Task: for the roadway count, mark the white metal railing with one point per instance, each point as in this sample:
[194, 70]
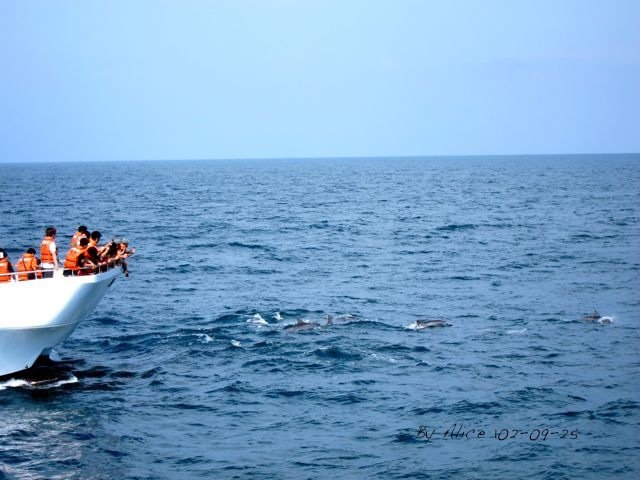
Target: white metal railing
[102, 267]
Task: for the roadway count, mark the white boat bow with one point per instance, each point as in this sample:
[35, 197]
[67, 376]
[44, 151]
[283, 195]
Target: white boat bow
[37, 315]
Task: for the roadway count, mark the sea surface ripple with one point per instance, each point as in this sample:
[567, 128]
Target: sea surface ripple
[187, 369]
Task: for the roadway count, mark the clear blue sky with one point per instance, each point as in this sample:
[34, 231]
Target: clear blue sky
[119, 80]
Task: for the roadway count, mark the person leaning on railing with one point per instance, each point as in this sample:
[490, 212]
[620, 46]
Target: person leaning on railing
[28, 263]
[5, 267]
[94, 240]
[72, 261]
[124, 253]
[109, 252]
[90, 261]
[81, 260]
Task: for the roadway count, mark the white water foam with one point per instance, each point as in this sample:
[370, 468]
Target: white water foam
[205, 338]
[13, 383]
[257, 320]
[605, 320]
[516, 332]
[384, 358]
[37, 385]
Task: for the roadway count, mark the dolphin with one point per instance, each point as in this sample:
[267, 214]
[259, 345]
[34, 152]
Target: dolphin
[426, 323]
[302, 326]
[597, 318]
[592, 317]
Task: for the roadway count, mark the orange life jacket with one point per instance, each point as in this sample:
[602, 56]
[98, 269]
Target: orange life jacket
[5, 267]
[45, 252]
[28, 263]
[71, 262]
[76, 238]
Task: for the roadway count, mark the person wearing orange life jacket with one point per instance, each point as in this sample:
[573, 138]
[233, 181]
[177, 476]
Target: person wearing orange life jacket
[28, 263]
[73, 262]
[82, 232]
[90, 261]
[48, 253]
[5, 267]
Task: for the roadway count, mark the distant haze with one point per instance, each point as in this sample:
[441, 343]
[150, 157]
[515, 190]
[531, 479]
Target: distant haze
[121, 80]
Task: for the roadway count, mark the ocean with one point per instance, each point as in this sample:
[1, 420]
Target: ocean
[187, 368]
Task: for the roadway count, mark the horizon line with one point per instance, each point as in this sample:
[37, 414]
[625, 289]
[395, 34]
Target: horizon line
[348, 157]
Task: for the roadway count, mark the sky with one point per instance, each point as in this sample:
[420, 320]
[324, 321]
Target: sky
[144, 80]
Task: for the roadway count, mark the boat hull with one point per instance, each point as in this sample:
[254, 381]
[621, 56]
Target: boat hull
[39, 314]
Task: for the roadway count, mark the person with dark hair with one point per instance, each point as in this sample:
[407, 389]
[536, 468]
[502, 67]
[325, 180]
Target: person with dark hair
[94, 240]
[107, 255]
[90, 261]
[28, 263]
[48, 253]
[5, 267]
[82, 232]
[73, 260]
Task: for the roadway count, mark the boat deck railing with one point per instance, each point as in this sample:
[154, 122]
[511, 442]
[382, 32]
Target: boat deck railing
[34, 275]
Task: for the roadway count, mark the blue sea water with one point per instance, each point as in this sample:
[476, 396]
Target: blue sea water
[186, 369]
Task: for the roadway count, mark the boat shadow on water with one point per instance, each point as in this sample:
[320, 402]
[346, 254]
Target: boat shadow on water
[46, 375]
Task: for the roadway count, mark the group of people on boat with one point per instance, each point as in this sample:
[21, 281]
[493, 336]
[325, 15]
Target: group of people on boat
[85, 257]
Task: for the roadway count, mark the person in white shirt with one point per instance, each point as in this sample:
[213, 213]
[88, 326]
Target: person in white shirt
[48, 253]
